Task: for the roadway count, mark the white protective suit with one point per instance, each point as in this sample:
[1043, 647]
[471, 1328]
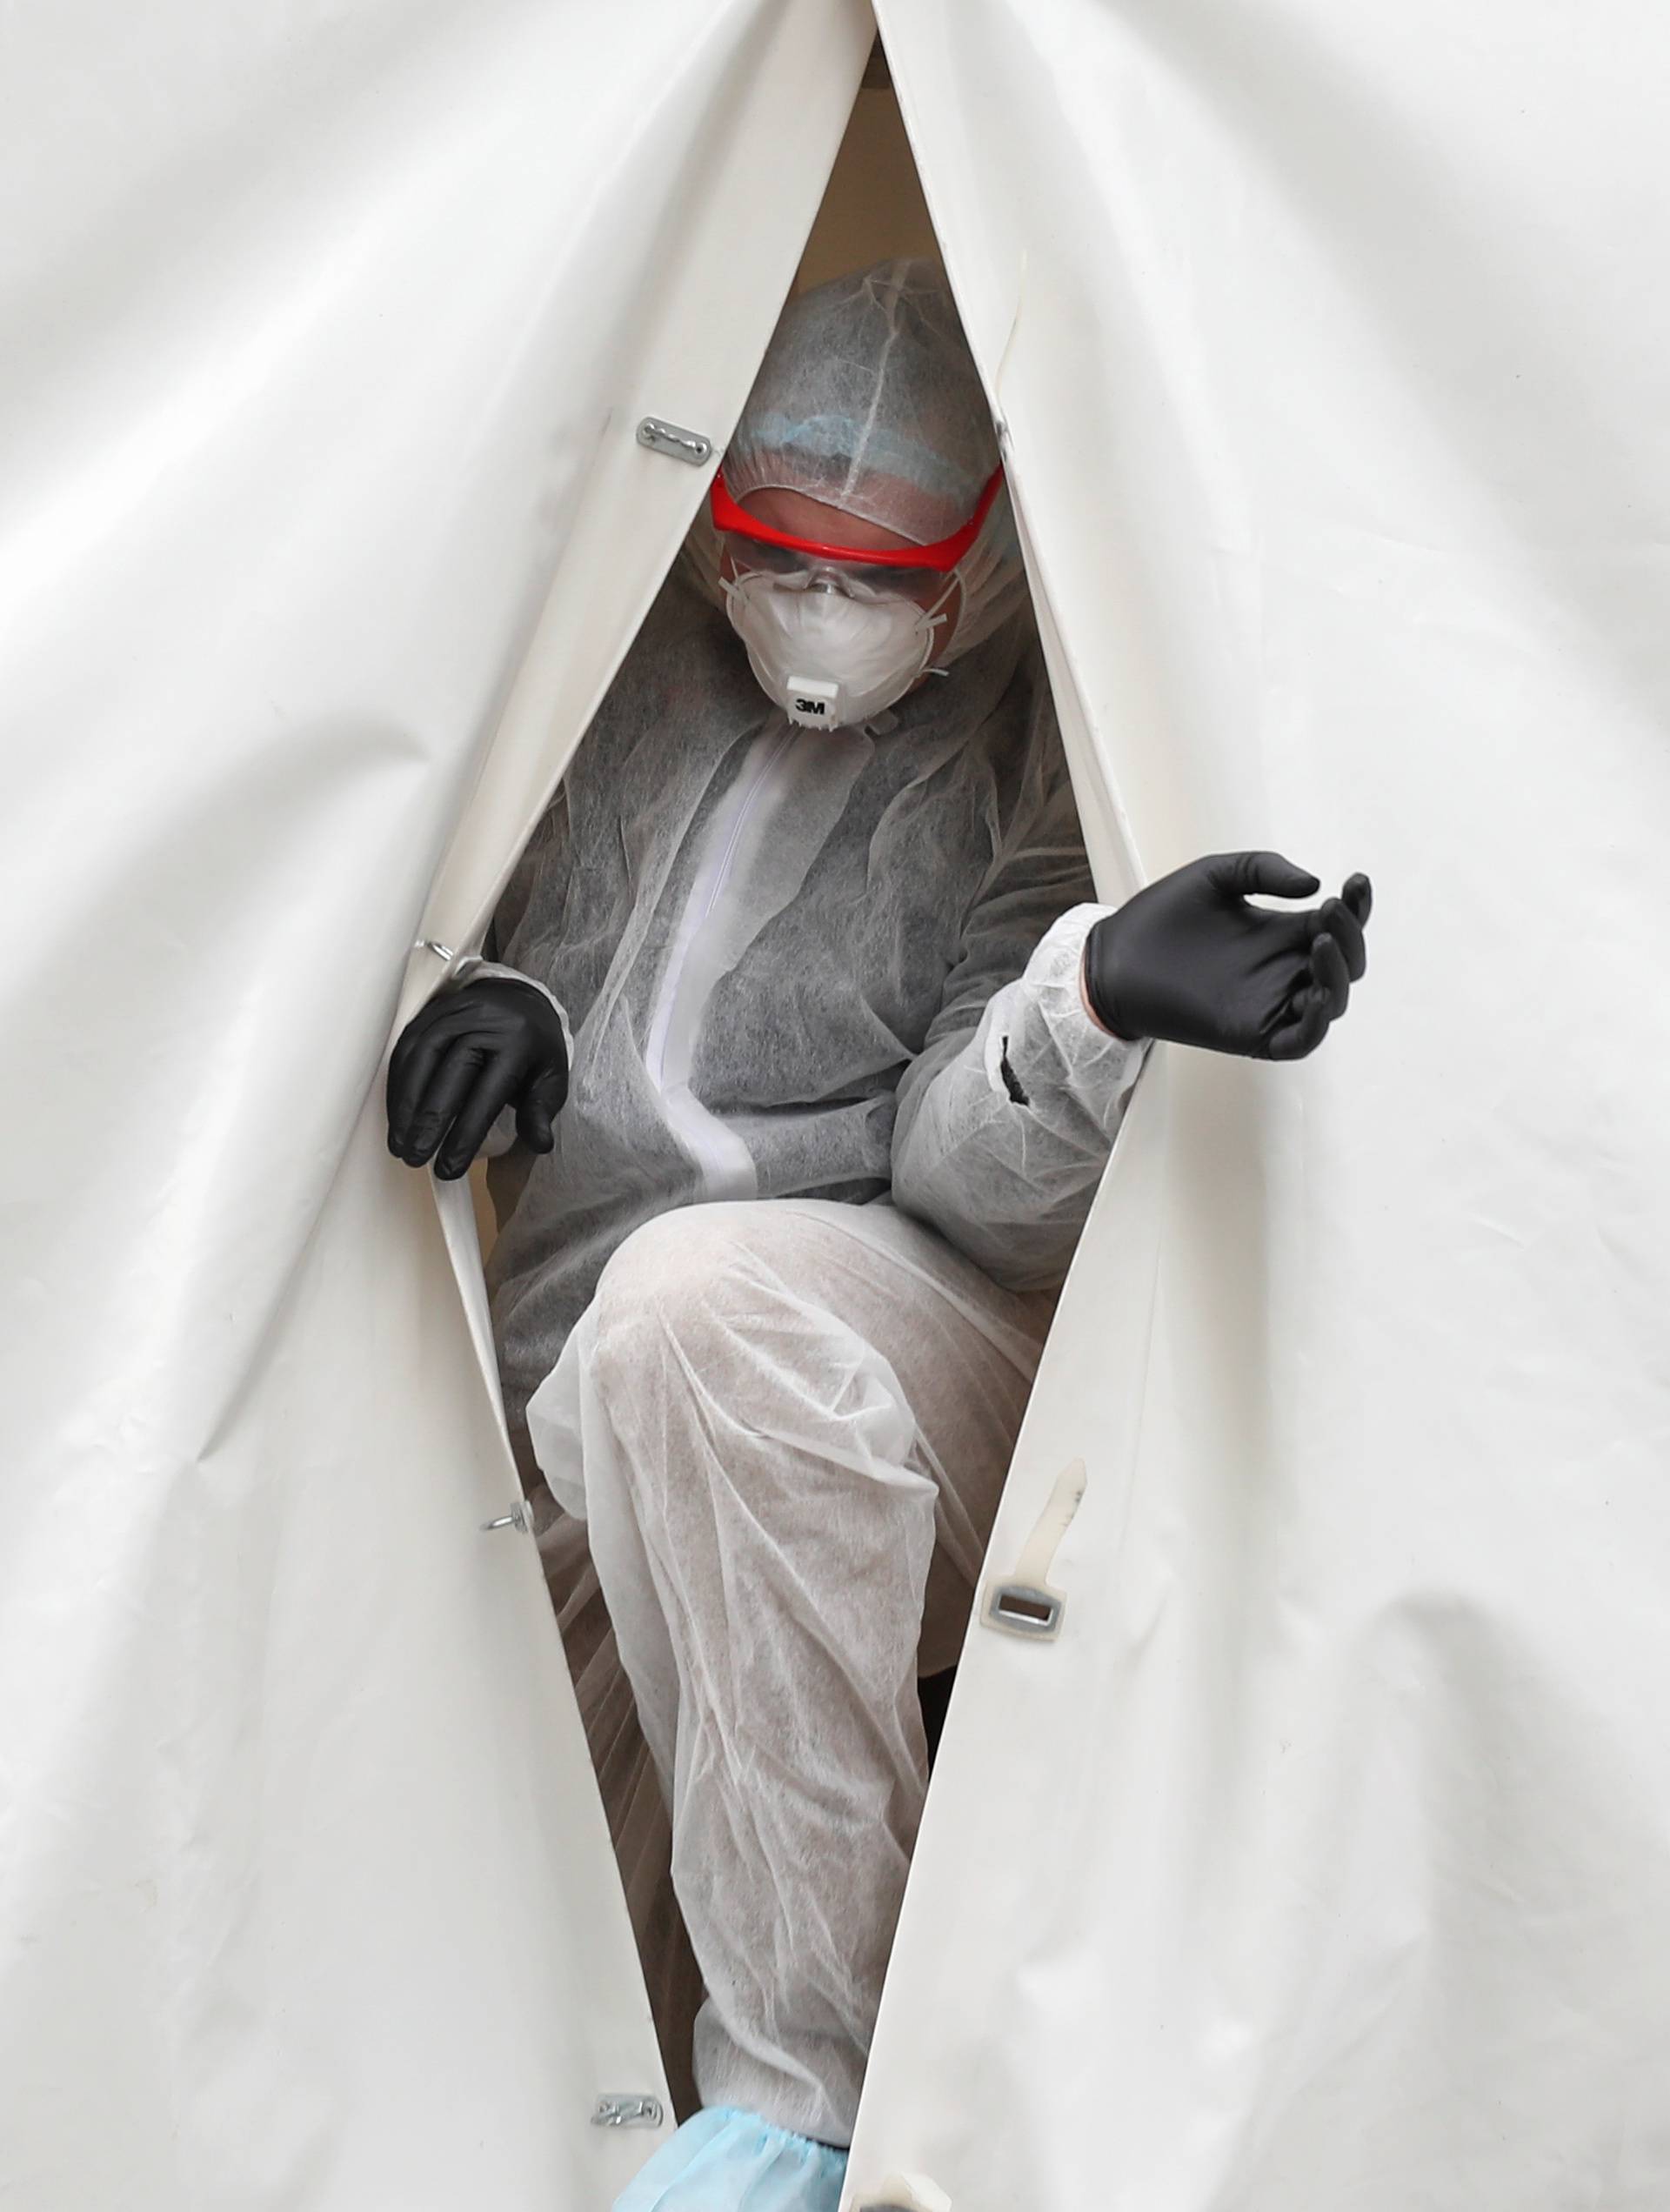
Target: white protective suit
[823, 986]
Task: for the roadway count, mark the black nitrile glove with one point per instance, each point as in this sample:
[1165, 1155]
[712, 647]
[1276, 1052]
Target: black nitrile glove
[462, 1060]
[1188, 959]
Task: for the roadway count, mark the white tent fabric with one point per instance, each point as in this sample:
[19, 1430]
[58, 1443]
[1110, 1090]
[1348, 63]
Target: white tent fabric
[328, 330]
[1322, 1859]
[1325, 1859]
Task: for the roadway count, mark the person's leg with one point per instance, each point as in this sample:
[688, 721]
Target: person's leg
[633, 1798]
[774, 1410]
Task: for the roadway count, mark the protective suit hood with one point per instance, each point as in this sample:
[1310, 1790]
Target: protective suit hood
[868, 400]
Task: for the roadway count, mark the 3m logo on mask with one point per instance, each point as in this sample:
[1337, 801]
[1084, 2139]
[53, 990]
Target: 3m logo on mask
[811, 702]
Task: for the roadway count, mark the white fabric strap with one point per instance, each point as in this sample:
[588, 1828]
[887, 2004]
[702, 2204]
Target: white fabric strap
[1038, 1553]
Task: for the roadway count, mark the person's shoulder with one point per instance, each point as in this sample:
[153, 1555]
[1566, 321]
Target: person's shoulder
[683, 690]
[684, 649]
[1020, 678]
[681, 616]
[1031, 760]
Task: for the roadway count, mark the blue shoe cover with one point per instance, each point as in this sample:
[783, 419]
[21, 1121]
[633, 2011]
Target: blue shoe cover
[726, 2161]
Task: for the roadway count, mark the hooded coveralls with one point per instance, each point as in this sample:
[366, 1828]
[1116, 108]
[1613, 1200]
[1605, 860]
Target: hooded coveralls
[771, 1309]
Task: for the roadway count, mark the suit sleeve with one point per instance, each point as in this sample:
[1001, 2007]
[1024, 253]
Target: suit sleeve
[1007, 1116]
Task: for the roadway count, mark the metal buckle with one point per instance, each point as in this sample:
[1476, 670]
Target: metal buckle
[677, 444]
[626, 2111]
[1025, 1610]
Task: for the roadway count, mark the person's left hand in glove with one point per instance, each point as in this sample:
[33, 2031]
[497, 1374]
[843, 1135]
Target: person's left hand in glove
[464, 1057]
[1188, 958]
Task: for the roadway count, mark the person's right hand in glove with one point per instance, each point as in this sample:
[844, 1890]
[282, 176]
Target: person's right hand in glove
[1190, 960]
[464, 1057]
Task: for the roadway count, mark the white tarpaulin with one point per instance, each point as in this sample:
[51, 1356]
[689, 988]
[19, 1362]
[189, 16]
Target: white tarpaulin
[1324, 1860]
[328, 329]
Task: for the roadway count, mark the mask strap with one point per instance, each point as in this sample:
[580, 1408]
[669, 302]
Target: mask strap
[936, 612]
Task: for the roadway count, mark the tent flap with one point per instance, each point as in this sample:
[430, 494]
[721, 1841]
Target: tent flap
[330, 331]
[1322, 1859]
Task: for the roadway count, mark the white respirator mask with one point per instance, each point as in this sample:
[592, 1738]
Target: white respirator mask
[831, 651]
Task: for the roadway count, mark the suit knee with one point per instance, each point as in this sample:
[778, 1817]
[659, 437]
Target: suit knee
[721, 1304]
[678, 1287]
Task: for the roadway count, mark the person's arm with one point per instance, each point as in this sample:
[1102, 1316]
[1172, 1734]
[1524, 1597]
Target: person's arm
[1008, 1115]
[1006, 1118]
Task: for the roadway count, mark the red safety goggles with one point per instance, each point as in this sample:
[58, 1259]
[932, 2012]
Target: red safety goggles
[942, 557]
